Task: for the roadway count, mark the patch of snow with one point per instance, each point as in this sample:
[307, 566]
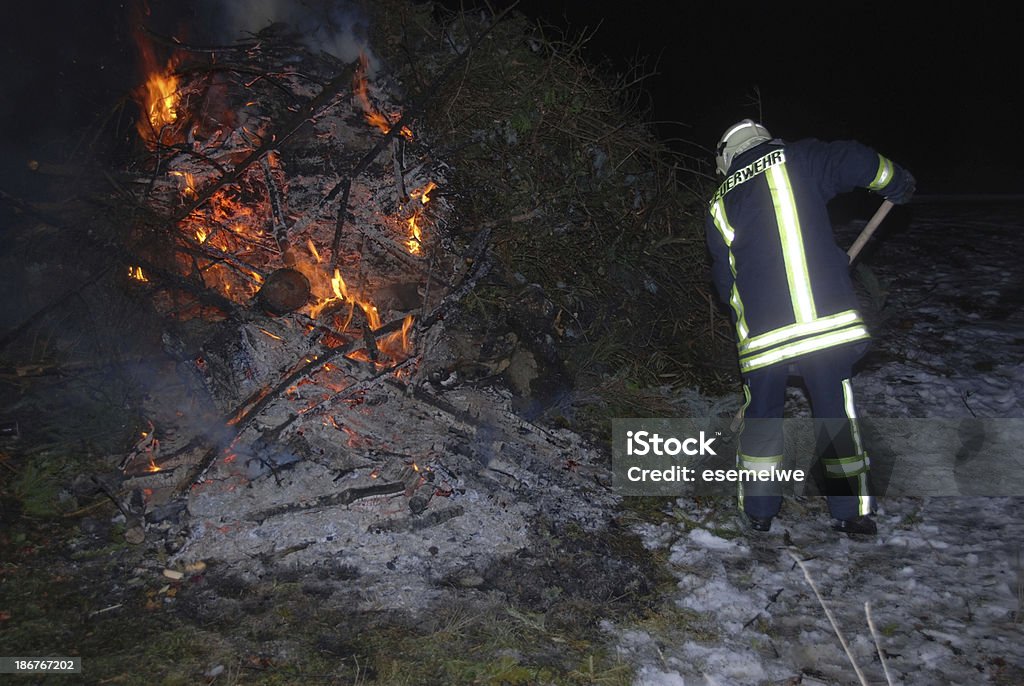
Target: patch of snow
[944, 577]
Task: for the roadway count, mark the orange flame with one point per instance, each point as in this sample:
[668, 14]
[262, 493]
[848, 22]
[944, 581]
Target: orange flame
[423, 194]
[372, 316]
[372, 115]
[312, 250]
[396, 344]
[415, 242]
[136, 273]
[158, 97]
[189, 191]
[338, 285]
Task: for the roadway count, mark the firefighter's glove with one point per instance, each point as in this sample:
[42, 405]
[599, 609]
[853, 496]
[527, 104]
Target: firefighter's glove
[900, 189]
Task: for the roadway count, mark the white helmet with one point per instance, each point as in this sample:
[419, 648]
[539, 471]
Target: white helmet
[739, 138]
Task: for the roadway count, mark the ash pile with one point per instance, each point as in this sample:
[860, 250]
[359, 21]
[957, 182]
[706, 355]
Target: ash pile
[297, 240]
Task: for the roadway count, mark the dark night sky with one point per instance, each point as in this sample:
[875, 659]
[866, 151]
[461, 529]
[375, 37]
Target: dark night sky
[933, 89]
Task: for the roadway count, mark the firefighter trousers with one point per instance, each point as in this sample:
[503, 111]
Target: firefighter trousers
[839, 450]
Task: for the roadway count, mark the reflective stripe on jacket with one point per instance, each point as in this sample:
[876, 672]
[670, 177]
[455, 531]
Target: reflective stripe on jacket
[774, 257]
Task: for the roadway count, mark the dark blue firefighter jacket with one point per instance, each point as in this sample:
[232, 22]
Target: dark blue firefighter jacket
[774, 257]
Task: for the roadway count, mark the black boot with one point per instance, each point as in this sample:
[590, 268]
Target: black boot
[863, 525]
[758, 524]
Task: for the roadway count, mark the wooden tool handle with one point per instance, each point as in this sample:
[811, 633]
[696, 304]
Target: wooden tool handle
[865, 235]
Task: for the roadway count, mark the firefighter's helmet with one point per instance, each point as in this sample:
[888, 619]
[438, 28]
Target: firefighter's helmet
[739, 138]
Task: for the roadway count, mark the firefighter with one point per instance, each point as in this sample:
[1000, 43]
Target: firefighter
[777, 264]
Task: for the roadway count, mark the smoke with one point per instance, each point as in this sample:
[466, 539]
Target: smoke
[336, 27]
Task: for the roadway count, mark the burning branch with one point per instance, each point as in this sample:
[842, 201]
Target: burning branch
[345, 185]
[301, 117]
[277, 210]
[240, 418]
[372, 115]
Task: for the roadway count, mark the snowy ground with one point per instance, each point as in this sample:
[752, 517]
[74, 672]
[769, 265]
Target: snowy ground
[944, 577]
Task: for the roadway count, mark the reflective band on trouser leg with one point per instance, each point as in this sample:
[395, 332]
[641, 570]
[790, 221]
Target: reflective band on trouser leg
[758, 489]
[757, 464]
[743, 411]
[759, 450]
[865, 501]
[845, 467]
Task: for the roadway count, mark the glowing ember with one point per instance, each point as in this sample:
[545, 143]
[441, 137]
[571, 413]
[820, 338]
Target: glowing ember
[272, 335]
[136, 273]
[373, 117]
[201, 235]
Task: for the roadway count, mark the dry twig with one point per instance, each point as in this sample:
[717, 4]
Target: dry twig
[831, 617]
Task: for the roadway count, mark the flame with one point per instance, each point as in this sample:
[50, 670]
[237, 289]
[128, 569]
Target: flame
[160, 104]
[372, 315]
[396, 344]
[415, 241]
[372, 115]
[423, 194]
[338, 286]
[340, 289]
[136, 273]
[406, 327]
[189, 191]
[312, 250]
[153, 466]
[230, 226]
[158, 97]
